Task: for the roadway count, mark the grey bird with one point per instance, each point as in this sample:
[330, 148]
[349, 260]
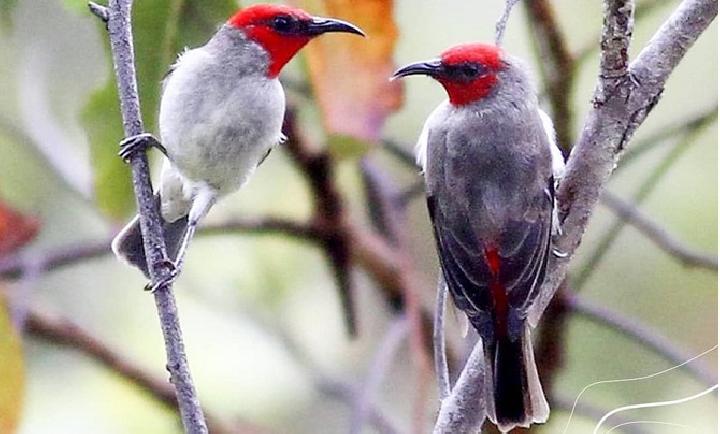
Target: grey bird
[490, 165]
[221, 113]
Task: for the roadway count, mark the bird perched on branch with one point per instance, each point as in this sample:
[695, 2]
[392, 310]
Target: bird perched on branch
[490, 165]
[221, 113]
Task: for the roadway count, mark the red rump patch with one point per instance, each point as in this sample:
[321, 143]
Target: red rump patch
[255, 22]
[499, 295]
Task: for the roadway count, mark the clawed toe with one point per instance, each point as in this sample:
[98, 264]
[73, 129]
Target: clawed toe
[140, 143]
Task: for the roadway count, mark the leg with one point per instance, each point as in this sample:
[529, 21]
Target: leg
[141, 142]
[203, 201]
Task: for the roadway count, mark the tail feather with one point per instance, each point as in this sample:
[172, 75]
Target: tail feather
[514, 395]
[128, 244]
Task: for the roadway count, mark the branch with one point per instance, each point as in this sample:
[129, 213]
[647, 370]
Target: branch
[381, 363]
[441, 363]
[641, 333]
[556, 66]
[62, 331]
[464, 410]
[330, 214]
[623, 99]
[121, 42]
[657, 234]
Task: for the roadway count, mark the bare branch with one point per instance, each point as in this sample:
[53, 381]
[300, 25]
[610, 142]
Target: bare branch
[62, 331]
[464, 410]
[656, 233]
[623, 99]
[640, 333]
[121, 43]
[330, 214]
[395, 335]
[441, 364]
[501, 23]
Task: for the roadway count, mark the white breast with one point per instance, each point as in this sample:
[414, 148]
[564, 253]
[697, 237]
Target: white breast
[218, 123]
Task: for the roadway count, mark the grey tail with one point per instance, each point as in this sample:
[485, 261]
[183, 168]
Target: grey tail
[128, 244]
[514, 396]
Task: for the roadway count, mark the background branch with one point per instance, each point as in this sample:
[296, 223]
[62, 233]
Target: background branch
[61, 331]
[640, 333]
[657, 234]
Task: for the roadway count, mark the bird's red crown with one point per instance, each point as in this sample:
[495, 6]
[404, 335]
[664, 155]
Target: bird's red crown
[482, 62]
[258, 21]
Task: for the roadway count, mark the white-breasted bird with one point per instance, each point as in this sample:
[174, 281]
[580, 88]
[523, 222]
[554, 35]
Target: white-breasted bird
[221, 113]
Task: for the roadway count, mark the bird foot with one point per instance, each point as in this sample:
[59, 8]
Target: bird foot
[140, 143]
[173, 272]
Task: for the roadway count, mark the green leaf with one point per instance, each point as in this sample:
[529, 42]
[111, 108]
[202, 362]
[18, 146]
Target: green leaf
[343, 147]
[6, 9]
[12, 373]
[161, 28]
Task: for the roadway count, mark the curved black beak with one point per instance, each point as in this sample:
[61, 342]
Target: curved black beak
[319, 25]
[433, 68]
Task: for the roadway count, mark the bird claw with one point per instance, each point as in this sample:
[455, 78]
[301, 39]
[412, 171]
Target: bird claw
[173, 272]
[559, 253]
[139, 143]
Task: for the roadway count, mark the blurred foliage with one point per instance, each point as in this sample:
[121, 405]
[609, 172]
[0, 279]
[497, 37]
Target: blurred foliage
[12, 373]
[161, 28]
[350, 74]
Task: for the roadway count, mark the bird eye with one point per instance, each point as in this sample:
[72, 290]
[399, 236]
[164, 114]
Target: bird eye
[283, 24]
[470, 70]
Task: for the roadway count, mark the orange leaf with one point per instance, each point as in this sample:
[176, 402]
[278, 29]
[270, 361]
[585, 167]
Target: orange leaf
[15, 229]
[350, 74]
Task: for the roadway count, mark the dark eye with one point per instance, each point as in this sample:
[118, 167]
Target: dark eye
[283, 24]
[470, 70]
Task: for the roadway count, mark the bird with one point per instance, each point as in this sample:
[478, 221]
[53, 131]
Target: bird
[490, 163]
[221, 113]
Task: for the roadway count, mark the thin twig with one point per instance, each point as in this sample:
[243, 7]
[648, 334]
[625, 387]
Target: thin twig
[640, 333]
[593, 413]
[62, 331]
[332, 387]
[552, 341]
[441, 364]
[121, 41]
[632, 215]
[501, 24]
[380, 364]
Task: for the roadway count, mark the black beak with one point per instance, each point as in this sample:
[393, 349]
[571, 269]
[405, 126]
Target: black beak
[433, 68]
[319, 25]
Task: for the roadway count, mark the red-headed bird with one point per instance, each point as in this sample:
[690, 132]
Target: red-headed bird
[221, 113]
[488, 155]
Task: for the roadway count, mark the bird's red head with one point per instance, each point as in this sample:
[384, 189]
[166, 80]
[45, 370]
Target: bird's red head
[284, 30]
[468, 72]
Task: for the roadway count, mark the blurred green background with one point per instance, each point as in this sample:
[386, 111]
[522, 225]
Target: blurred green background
[53, 59]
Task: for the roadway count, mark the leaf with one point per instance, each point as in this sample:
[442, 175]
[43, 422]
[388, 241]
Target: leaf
[15, 231]
[184, 22]
[346, 147]
[12, 373]
[350, 74]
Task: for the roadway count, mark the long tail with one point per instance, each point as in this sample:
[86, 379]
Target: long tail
[128, 244]
[513, 393]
